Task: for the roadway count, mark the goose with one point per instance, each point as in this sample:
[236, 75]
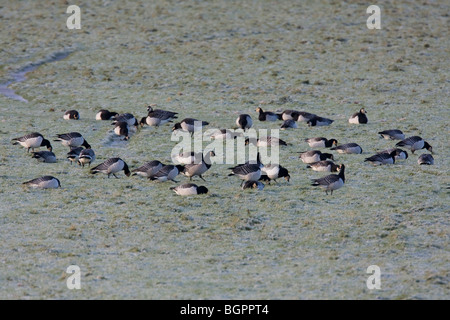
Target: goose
[319, 121]
[287, 115]
[393, 134]
[188, 157]
[324, 166]
[414, 143]
[244, 121]
[73, 139]
[268, 115]
[314, 156]
[86, 156]
[275, 171]
[359, 117]
[71, 115]
[425, 158]
[126, 117]
[289, 124]
[321, 142]
[105, 115]
[111, 167]
[149, 169]
[32, 141]
[222, 134]
[302, 116]
[197, 169]
[188, 189]
[332, 181]
[166, 173]
[266, 142]
[190, 125]
[158, 117]
[382, 158]
[45, 182]
[348, 148]
[253, 185]
[74, 153]
[399, 153]
[122, 129]
[45, 156]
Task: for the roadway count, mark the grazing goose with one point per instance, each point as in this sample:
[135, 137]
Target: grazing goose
[348, 148]
[382, 158]
[189, 189]
[392, 134]
[32, 141]
[244, 121]
[319, 121]
[314, 156]
[122, 129]
[86, 156]
[287, 115]
[332, 181]
[197, 169]
[105, 115]
[415, 143]
[302, 116]
[249, 170]
[275, 171]
[359, 117]
[324, 166]
[149, 169]
[71, 115]
[74, 153]
[45, 182]
[158, 117]
[73, 139]
[268, 115]
[289, 124]
[399, 153]
[45, 156]
[425, 158]
[111, 167]
[266, 142]
[166, 173]
[190, 125]
[253, 185]
[126, 117]
[321, 142]
[188, 157]
[222, 134]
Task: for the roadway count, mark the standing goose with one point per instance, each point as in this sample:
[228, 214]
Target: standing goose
[392, 134]
[319, 121]
[289, 124]
[348, 148]
[359, 117]
[332, 181]
[73, 140]
[166, 173]
[324, 166]
[399, 153]
[86, 156]
[190, 125]
[71, 115]
[382, 158]
[197, 169]
[425, 158]
[321, 142]
[275, 171]
[45, 182]
[189, 189]
[74, 153]
[105, 115]
[111, 167]
[32, 141]
[415, 143]
[253, 185]
[248, 171]
[268, 115]
[158, 117]
[45, 156]
[314, 156]
[149, 169]
[266, 142]
[244, 121]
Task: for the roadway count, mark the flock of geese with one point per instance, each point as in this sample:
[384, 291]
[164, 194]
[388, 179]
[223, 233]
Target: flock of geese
[252, 173]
